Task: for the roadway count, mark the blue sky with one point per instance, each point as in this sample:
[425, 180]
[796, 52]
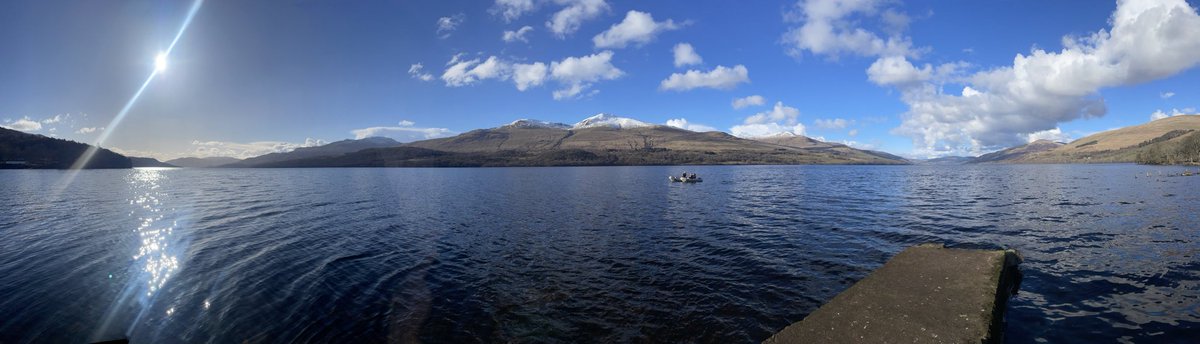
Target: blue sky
[249, 78]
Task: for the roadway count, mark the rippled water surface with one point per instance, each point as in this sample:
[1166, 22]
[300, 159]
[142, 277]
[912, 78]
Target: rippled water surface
[609, 254]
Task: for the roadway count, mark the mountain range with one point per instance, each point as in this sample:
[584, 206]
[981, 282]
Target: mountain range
[598, 140]
[611, 140]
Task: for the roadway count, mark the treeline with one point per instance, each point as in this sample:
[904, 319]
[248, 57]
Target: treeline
[21, 150]
[1185, 151]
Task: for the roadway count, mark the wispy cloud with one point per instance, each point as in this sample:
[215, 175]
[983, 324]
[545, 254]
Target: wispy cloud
[447, 25]
[405, 131]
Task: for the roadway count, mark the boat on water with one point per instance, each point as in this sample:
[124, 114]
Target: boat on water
[685, 180]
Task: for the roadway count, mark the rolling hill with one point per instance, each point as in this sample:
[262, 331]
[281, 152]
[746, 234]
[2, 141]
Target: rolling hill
[1117, 145]
[327, 150]
[23, 150]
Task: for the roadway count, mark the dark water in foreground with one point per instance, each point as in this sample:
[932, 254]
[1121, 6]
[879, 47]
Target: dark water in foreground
[573, 254]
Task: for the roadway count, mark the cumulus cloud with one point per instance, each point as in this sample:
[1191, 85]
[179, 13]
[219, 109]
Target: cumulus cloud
[518, 35]
[574, 74]
[23, 124]
[1003, 106]
[88, 130]
[779, 120]
[447, 25]
[685, 55]
[405, 132]
[567, 21]
[836, 123]
[1160, 114]
[1166, 95]
[203, 149]
[638, 28]
[682, 123]
[831, 28]
[754, 100]
[529, 75]
[578, 73]
[718, 78]
[512, 9]
[1056, 135]
[462, 72]
[417, 72]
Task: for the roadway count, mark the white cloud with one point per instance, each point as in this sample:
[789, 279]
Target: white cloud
[858, 145]
[836, 123]
[780, 119]
[830, 28]
[574, 74]
[754, 100]
[447, 25]
[417, 72]
[682, 123]
[578, 73]
[462, 72]
[718, 78]
[853, 132]
[638, 28]
[685, 55]
[405, 132]
[1000, 107]
[23, 124]
[52, 120]
[529, 75]
[512, 9]
[1159, 114]
[897, 71]
[1056, 135]
[402, 133]
[88, 130]
[568, 20]
[202, 149]
[780, 113]
[1166, 95]
[518, 35]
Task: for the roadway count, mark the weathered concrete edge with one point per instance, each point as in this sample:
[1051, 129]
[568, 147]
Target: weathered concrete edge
[1007, 282]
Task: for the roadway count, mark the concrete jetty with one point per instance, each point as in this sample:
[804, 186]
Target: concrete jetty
[925, 294]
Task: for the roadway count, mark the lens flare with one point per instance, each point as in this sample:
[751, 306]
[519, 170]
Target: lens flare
[160, 64]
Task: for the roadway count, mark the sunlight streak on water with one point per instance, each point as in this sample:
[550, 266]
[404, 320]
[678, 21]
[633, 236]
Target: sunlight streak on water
[159, 246]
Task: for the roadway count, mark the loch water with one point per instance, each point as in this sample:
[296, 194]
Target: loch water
[574, 254]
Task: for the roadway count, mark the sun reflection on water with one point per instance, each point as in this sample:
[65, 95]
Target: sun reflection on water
[154, 255]
[158, 247]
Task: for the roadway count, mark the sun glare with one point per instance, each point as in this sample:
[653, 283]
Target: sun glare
[160, 62]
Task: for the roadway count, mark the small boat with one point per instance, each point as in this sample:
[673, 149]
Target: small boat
[685, 180]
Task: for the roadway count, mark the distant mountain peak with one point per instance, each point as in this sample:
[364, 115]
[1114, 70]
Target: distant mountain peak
[608, 120]
[533, 123]
[783, 134]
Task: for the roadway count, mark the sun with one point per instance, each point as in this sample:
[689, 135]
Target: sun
[160, 62]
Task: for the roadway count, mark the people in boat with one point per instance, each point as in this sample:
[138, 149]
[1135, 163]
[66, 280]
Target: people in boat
[684, 176]
[692, 177]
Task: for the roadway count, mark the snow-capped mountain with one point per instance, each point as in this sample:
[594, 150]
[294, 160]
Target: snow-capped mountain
[607, 120]
[533, 123]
